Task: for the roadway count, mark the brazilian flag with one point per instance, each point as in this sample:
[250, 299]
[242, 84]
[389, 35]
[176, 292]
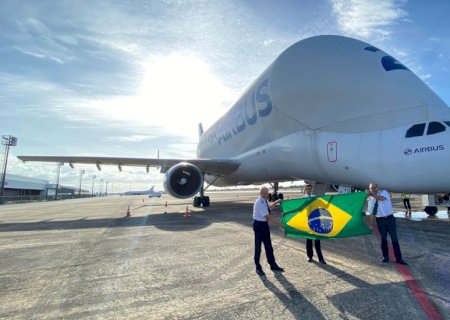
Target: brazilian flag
[323, 217]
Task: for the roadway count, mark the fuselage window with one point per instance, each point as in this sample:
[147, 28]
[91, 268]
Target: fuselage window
[416, 130]
[435, 127]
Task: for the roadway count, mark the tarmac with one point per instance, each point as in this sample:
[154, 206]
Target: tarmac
[84, 259]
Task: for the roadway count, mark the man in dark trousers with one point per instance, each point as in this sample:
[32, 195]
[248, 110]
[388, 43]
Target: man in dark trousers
[309, 242]
[261, 218]
[380, 207]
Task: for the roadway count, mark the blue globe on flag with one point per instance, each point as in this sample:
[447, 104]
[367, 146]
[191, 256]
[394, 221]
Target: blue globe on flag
[320, 221]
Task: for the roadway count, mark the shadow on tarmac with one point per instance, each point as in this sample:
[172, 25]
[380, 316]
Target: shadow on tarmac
[293, 300]
[169, 222]
[373, 294]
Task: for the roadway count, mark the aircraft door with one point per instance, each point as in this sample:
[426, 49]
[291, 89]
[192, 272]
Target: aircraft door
[332, 151]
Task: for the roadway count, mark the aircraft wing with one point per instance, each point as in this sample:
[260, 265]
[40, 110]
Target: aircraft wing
[217, 167]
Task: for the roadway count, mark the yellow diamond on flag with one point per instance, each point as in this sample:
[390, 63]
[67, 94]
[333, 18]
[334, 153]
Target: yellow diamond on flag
[320, 218]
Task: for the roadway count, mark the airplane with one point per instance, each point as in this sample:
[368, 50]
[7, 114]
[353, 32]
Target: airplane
[329, 109]
[150, 192]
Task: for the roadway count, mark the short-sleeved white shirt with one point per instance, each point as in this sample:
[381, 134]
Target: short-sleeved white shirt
[260, 209]
[384, 207]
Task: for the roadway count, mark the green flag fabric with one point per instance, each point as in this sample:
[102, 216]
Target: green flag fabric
[324, 217]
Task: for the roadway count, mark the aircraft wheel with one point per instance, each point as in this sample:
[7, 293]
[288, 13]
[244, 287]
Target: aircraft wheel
[196, 202]
[206, 201]
[431, 210]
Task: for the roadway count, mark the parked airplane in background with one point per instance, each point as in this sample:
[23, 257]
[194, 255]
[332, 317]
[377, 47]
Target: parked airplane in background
[329, 109]
[150, 193]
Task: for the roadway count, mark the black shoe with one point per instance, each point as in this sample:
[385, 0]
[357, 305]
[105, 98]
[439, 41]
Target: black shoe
[385, 260]
[322, 261]
[260, 272]
[310, 259]
[276, 268]
[403, 262]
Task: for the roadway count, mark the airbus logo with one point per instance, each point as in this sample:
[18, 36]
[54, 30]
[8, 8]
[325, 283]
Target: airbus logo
[246, 112]
[409, 151]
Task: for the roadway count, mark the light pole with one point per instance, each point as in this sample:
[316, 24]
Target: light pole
[57, 180]
[101, 187]
[8, 141]
[92, 189]
[106, 192]
[81, 178]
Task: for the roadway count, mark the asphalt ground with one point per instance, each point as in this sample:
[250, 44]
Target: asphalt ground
[83, 259]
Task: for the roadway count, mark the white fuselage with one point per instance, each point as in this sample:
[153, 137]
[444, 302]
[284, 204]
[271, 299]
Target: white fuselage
[336, 110]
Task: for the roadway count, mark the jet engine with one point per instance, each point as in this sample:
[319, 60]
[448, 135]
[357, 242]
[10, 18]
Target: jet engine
[183, 180]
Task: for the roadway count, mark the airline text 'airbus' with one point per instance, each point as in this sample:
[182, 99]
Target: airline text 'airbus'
[329, 109]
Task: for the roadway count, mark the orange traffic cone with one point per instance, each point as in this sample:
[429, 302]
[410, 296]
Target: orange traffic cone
[186, 213]
[128, 212]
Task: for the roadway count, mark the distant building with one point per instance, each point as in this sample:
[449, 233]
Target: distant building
[24, 188]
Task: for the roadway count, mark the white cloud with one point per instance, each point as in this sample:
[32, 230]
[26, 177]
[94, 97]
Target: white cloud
[368, 18]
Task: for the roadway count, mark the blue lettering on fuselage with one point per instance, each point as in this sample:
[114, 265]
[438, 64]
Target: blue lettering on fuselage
[246, 112]
[429, 149]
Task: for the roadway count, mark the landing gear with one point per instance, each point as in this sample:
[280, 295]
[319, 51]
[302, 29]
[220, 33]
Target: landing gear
[202, 200]
[431, 210]
[275, 195]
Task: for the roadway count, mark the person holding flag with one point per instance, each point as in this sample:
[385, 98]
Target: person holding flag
[261, 217]
[380, 207]
[325, 217]
[309, 242]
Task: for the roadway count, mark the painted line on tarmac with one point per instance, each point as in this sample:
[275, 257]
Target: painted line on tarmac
[419, 294]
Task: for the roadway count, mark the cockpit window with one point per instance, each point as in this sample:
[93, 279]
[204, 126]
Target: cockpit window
[447, 123]
[435, 127]
[390, 63]
[416, 130]
[372, 48]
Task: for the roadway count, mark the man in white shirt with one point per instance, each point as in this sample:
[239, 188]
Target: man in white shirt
[380, 207]
[261, 217]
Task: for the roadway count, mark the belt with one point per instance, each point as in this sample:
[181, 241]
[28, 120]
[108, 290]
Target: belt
[260, 221]
[386, 216]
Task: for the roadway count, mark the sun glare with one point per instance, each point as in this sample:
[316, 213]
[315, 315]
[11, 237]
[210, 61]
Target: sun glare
[177, 92]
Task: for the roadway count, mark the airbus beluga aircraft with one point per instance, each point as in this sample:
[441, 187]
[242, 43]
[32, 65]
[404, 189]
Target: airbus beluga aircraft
[329, 109]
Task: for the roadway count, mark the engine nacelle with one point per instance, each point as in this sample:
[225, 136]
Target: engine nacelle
[183, 180]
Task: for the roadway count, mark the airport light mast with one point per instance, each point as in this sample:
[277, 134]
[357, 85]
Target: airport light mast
[92, 188]
[8, 141]
[57, 179]
[81, 179]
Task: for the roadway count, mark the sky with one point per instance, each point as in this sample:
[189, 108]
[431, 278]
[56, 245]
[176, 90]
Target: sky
[129, 78]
